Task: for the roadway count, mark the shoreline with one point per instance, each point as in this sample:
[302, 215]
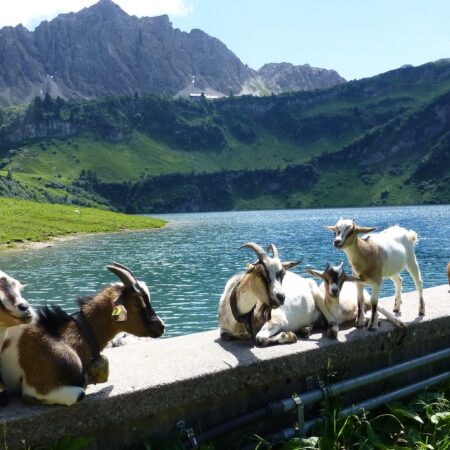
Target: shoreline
[58, 240]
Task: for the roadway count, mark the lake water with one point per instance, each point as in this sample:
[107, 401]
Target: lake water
[187, 264]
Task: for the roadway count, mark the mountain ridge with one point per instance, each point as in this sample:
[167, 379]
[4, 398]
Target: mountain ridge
[101, 50]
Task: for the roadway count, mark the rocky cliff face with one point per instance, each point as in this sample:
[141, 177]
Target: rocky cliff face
[285, 77]
[102, 51]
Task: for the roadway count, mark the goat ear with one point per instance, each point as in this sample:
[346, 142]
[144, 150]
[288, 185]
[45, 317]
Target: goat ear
[331, 228]
[352, 278]
[290, 264]
[315, 273]
[359, 229]
[119, 313]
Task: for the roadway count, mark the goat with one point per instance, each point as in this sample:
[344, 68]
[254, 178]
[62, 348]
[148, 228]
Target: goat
[377, 256]
[14, 310]
[50, 361]
[448, 274]
[337, 299]
[267, 303]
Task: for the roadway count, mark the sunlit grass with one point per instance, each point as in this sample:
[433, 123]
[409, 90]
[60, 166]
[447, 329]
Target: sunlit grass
[22, 220]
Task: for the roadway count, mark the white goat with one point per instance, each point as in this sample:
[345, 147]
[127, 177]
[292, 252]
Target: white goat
[14, 310]
[267, 303]
[51, 361]
[378, 256]
[337, 298]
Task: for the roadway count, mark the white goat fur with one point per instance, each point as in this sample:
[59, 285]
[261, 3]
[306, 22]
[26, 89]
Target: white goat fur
[380, 255]
[341, 305]
[297, 312]
[15, 311]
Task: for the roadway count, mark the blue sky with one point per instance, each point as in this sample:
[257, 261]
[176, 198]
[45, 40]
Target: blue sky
[358, 38]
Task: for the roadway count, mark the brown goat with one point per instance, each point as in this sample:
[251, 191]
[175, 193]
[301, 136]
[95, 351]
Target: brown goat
[51, 361]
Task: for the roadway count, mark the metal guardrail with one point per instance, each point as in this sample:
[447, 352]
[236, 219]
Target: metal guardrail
[298, 402]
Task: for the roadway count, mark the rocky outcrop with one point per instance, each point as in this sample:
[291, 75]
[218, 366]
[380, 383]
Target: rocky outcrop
[285, 77]
[101, 51]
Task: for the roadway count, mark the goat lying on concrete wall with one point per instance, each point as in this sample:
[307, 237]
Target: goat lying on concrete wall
[377, 256]
[14, 310]
[49, 361]
[337, 298]
[267, 302]
[448, 273]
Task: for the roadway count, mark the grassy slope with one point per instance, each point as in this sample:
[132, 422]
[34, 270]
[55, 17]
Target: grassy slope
[36, 165]
[22, 220]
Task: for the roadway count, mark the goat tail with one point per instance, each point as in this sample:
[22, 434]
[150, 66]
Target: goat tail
[389, 316]
[412, 236]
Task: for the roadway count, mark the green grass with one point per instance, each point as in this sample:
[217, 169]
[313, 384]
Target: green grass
[142, 156]
[22, 220]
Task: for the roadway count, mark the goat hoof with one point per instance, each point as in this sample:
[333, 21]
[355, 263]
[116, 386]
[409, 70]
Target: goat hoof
[288, 338]
[262, 342]
[4, 398]
[332, 334]
[305, 332]
[396, 310]
[421, 313]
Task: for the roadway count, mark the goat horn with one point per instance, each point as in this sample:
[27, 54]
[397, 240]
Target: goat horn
[125, 275]
[257, 249]
[274, 250]
[122, 266]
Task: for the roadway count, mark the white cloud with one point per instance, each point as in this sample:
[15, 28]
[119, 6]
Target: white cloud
[31, 12]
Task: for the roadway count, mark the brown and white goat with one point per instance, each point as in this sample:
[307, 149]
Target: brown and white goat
[337, 298]
[14, 310]
[377, 256]
[49, 361]
[267, 303]
[448, 273]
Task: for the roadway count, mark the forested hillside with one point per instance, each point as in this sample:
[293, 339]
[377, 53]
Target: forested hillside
[381, 140]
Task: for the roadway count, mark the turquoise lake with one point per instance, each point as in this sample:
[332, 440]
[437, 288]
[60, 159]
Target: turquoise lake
[187, 264]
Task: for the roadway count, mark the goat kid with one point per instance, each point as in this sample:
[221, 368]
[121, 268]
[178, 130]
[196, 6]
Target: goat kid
[14, 310]
[267, 303]
[337, 298]
[375, 257]
[50, 361]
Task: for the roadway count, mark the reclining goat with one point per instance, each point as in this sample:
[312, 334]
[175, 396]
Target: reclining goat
[50, 361]
[267, 303]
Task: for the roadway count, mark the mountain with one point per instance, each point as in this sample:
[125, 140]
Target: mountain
[101, 50]
[285, 77]
[381, 140]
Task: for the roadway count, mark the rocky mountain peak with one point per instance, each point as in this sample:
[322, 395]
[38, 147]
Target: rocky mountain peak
[101, 50]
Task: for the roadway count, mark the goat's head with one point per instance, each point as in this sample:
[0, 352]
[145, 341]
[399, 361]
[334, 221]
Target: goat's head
[346, 231]
[271, 270]
[133, 310]
[14, 309]
[333, 277]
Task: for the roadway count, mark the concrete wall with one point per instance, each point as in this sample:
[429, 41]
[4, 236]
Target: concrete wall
[205, 381]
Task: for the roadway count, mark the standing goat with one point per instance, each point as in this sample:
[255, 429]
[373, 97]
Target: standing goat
[50, 361]
[14, 310]
[377, 256]
[267, 302]
[337, 298]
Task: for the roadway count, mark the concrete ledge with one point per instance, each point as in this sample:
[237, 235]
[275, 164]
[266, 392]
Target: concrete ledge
[206, 381]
